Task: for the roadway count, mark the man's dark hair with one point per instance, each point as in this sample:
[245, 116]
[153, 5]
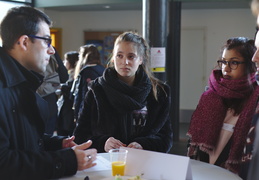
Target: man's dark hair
[20, 21]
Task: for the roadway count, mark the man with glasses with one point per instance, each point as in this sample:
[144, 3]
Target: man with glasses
[25, 151]
[251, 152]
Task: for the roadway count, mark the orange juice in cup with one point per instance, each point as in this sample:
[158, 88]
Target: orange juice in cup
[118, 168]
[118, 161]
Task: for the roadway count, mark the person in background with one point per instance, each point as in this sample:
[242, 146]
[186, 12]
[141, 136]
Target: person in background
[127, 106]
[221, 121]
[88, 68]
[55, 74]
[250, 158]
[65, 121]
[70, 60]
[25, 151]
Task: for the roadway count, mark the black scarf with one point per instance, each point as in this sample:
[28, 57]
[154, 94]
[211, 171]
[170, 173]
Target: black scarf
[123, 97]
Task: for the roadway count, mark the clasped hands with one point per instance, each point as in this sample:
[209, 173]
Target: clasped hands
[113, 143]
[84, 156]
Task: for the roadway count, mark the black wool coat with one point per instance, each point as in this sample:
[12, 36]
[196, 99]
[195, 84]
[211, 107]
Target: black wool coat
[99, 120]
[25, 152]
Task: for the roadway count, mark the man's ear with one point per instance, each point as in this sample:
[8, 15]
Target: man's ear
[23, 42]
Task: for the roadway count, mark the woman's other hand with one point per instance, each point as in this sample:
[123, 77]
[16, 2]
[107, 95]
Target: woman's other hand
[113, 143]
[135, 145]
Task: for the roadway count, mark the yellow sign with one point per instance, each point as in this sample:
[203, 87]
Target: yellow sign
[159, 69]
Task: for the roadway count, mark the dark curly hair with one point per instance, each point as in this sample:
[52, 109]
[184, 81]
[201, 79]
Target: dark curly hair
[245, 47]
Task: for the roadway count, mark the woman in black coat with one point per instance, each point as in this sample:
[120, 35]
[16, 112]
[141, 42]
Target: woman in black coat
[88, 68]
[127, 106]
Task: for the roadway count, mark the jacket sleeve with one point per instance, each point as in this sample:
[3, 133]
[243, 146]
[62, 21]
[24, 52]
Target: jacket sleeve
[19, 160]
[34, 164]
[158, 135]
[52, 143]
[62, 71]
[85, 129]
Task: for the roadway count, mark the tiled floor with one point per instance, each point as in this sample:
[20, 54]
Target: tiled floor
[180, 147]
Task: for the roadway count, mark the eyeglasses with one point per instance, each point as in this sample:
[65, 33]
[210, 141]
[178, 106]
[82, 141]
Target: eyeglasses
[231, 64]
[47, 40]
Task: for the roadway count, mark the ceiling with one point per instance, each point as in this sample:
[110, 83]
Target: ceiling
[114, 5]
[98, 7]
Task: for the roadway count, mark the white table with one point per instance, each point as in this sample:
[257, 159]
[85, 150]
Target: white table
[200, 171]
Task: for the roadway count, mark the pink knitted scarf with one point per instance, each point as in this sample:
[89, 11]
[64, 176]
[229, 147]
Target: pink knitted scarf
[207, 119]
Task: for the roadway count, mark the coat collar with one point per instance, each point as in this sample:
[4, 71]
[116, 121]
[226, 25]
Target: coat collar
[14, 73]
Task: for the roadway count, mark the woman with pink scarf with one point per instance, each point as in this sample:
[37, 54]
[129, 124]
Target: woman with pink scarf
[221, 121]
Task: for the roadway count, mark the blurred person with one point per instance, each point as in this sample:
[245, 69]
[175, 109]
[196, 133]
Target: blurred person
[88, 68]
[221, 121]
[65, 122]
[250, 157]
[70, 60]
[55, 74]
[127, 106]
[25, 151]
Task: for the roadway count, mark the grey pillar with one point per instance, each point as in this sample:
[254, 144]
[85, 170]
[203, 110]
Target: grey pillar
[155, 26]
[173, 62]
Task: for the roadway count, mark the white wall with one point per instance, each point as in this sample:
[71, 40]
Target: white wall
[221, 25]
[74, 24]
[218, 26]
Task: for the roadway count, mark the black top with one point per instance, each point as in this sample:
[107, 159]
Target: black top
[128, 113]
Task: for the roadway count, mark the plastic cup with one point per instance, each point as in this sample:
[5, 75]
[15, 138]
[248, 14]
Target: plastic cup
[118, 161]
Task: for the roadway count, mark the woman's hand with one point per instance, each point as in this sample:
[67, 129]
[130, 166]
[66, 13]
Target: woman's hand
[113, 143]
[135, 145]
